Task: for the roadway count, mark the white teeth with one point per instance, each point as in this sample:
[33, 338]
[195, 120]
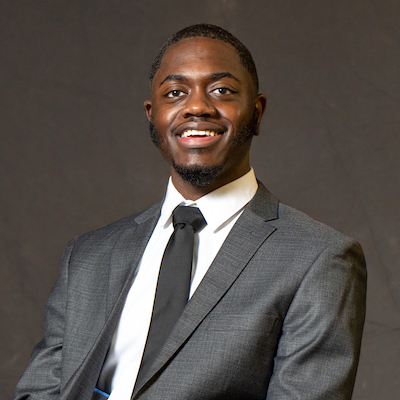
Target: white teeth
[192, 132]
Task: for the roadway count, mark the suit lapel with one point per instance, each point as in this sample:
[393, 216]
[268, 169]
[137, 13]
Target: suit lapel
[126, 255]
[247, 235]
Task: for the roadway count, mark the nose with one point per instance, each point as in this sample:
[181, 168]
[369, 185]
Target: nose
[199, 104]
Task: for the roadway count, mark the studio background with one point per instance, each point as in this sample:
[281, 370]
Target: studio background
[75, 152]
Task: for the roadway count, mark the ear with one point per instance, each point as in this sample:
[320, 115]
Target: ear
[148, 109]
[261, 104]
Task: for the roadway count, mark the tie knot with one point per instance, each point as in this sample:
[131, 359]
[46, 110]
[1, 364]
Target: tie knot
[188, 215]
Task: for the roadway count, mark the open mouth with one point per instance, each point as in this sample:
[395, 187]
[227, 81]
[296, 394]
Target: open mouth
[192, 132]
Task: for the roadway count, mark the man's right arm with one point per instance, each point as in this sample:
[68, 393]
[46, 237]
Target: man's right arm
[42, 379]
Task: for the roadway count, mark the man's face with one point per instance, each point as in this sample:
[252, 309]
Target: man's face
[203, 112]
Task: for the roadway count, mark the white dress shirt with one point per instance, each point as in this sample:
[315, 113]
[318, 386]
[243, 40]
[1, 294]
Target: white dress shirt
[221, 209]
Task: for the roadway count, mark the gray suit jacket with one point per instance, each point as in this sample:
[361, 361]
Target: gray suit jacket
[279, 314]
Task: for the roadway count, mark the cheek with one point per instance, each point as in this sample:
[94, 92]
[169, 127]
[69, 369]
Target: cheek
[163, 119]
[240, 118]
[237, 114]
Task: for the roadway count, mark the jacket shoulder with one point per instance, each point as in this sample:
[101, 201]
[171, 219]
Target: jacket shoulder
[301, 226]
[114, 229]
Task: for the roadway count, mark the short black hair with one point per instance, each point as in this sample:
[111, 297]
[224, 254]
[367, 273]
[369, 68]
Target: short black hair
[209, 31]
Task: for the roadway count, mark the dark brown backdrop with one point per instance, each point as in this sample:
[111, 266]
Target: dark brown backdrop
[75, 152]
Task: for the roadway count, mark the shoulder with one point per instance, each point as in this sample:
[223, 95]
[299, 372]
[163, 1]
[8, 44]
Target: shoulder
[304, 238]
[298, 224]
[298, 235]
[111, 232]
[293, 224]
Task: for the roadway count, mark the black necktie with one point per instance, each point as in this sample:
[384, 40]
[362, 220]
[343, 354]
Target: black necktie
[173, 283]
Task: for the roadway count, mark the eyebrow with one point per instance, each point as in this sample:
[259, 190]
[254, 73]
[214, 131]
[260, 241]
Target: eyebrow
[215, 76]
[180, 78]
[219, 75]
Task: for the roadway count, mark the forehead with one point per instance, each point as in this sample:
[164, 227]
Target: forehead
[201, 56]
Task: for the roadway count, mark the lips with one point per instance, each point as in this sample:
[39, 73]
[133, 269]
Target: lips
[199, 139]
[197, 134]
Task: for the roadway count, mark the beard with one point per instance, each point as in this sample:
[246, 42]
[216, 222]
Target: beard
[201, 176]
[198, 176]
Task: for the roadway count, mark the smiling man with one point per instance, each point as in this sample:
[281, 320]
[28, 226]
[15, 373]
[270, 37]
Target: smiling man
[203, 114]
[217, 292]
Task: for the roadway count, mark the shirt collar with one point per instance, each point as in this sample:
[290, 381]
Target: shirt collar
[217, 207]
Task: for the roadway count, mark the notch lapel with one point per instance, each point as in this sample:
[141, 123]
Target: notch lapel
[245, 238]
[125, 258]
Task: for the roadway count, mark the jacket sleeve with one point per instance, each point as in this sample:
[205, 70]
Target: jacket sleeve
[319, 348]
[41, 379]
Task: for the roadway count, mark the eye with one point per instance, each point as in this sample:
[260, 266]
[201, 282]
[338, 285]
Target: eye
[223, 90]
[175, 93]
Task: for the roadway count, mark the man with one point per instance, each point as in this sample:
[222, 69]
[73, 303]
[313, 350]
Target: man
[277, 300]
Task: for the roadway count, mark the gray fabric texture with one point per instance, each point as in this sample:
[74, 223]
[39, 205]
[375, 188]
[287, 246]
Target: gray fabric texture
[279, 314]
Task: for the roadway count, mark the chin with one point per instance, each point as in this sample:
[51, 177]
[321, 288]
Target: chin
[197, 175]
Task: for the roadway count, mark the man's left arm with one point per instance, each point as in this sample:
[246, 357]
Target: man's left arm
[319, 348]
